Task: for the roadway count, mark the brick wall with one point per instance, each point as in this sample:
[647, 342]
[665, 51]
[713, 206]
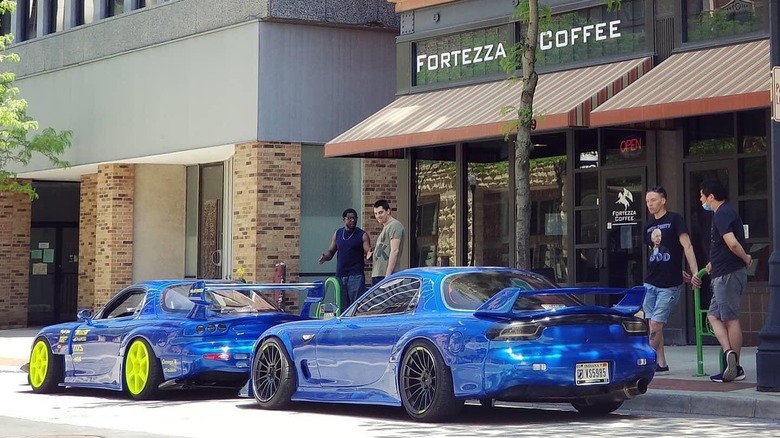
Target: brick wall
[380, 179]
[87, 230]
[266, 209]
[113, 230]
[15, 214]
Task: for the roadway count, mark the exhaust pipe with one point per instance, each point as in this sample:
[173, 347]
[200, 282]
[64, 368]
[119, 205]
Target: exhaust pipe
[637, 388]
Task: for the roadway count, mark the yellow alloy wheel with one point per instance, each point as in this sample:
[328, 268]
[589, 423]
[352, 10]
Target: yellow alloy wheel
[137, 367]
[39, 364]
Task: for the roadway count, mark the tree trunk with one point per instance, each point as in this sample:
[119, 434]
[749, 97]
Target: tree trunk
[523, 143]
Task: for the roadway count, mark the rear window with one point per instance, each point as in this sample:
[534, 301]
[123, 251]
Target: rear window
[469, 290]
[176, 299]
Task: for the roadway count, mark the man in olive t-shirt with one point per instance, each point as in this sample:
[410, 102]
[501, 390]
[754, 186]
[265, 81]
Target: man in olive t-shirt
[389, 245]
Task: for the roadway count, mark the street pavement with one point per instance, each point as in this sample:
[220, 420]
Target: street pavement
[681, 391]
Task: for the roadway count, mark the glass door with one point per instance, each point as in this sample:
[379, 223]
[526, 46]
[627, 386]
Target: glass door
[622, 212]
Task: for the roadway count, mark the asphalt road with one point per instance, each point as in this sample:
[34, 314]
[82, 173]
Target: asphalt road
[88, 413]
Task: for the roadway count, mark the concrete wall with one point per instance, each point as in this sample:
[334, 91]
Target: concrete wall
[158, 217]
[317, 81]
[193, 93]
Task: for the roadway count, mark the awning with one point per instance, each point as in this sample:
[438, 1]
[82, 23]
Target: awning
[563, 99]
[723, 79]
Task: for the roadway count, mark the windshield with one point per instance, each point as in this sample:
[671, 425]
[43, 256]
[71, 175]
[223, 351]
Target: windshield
[469, 290]
[176, 299]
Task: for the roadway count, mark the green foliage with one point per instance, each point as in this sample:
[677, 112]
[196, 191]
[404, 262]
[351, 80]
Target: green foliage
[17, 146]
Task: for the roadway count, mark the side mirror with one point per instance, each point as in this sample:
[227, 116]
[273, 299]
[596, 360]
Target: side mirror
[329, 310]
[85, 315]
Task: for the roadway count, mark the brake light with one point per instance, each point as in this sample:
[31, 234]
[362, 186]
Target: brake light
[518, 331]
[217, 356]
[635, 326]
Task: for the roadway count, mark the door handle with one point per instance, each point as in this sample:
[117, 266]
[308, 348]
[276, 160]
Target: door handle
[600, 258]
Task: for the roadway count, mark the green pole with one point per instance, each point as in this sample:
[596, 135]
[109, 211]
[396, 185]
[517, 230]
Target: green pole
[699, 324]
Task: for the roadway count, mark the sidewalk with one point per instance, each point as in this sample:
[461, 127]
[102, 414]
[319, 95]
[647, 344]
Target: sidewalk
[680, 391]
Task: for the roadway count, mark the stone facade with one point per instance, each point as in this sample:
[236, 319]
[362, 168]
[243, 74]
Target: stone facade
[15, 214]
[113, 230]
[87, 239]
[266, 209]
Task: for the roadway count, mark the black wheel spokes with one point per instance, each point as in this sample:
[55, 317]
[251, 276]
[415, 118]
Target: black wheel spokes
[268, 373]
[419, 377]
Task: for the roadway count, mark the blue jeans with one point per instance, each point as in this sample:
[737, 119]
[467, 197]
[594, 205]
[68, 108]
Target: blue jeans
[659, 302]
[352, 287]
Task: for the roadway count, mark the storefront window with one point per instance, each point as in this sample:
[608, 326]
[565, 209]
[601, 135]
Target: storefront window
[593, 33]
[435, 207]
[710, 135]
[489, 203]
[716, 19]
[622, 147]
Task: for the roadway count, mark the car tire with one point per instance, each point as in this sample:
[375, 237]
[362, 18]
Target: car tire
[46, 370]
[425, 382]
[599, 408]
[273, 376]
[142, 372]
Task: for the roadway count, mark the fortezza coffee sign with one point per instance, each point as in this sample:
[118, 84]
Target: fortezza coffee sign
[470, 55]
[579, 35]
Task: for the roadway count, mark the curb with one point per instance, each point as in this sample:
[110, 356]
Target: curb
[718, 404]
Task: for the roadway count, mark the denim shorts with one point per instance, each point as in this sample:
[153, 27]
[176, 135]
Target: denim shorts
[353, 287]
[659, 302]
[726, 295]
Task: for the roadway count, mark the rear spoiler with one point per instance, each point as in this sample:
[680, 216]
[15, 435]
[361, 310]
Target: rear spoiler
[500, 305]
[198, 294]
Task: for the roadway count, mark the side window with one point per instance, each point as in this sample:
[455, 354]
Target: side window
[396, 296]
[127, 303]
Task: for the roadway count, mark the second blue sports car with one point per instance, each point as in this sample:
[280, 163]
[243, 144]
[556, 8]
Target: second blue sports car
[428, 339]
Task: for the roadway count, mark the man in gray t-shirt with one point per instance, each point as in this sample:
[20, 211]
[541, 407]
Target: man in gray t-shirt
[389, 245]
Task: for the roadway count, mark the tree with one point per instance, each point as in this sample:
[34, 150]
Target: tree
[524, 51]
[17, 145]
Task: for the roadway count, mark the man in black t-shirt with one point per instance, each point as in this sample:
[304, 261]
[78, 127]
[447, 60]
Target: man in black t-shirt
[728, 271]
[667, 236]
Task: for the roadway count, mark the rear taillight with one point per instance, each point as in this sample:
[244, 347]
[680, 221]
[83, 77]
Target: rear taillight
[635, 327]
[516, 331]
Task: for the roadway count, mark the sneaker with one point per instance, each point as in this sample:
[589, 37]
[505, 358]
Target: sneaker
[660, 369]
[717, 378]
[740, 374]
[731, 366]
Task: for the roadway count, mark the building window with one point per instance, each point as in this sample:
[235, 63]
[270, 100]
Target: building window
[28, 28]
[435, 233]
[718, 19]
[114, 7]
[84, 12]
[328, 187]
[592, 33]
[5, 23]
[55, 17]
[737, 146]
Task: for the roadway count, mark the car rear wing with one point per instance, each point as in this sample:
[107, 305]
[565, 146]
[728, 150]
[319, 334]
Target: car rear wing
[198, 294]
[501, 304]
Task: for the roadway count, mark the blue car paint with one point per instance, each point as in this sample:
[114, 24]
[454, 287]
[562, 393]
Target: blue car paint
[360, 359]
[94, 350]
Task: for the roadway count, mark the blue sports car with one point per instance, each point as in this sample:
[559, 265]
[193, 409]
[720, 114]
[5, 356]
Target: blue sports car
[163, 335]
[428, 339]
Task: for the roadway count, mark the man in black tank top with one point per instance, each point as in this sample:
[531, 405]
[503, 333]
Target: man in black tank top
[352, 245]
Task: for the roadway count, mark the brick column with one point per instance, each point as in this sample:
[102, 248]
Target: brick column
[114, 230]
[15, 215]
[87, 230]
[380, 180]
[266, 209]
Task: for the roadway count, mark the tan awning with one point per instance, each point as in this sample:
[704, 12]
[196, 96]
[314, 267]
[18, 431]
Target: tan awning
[710, 81]
[562, 99]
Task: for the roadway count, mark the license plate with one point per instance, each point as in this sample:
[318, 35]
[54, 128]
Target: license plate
[593, 373]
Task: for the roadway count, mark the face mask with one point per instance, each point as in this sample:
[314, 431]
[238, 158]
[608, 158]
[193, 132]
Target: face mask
[706, 207]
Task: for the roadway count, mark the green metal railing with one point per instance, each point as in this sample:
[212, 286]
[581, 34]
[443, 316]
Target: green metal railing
[331, 294]
[703, 328]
